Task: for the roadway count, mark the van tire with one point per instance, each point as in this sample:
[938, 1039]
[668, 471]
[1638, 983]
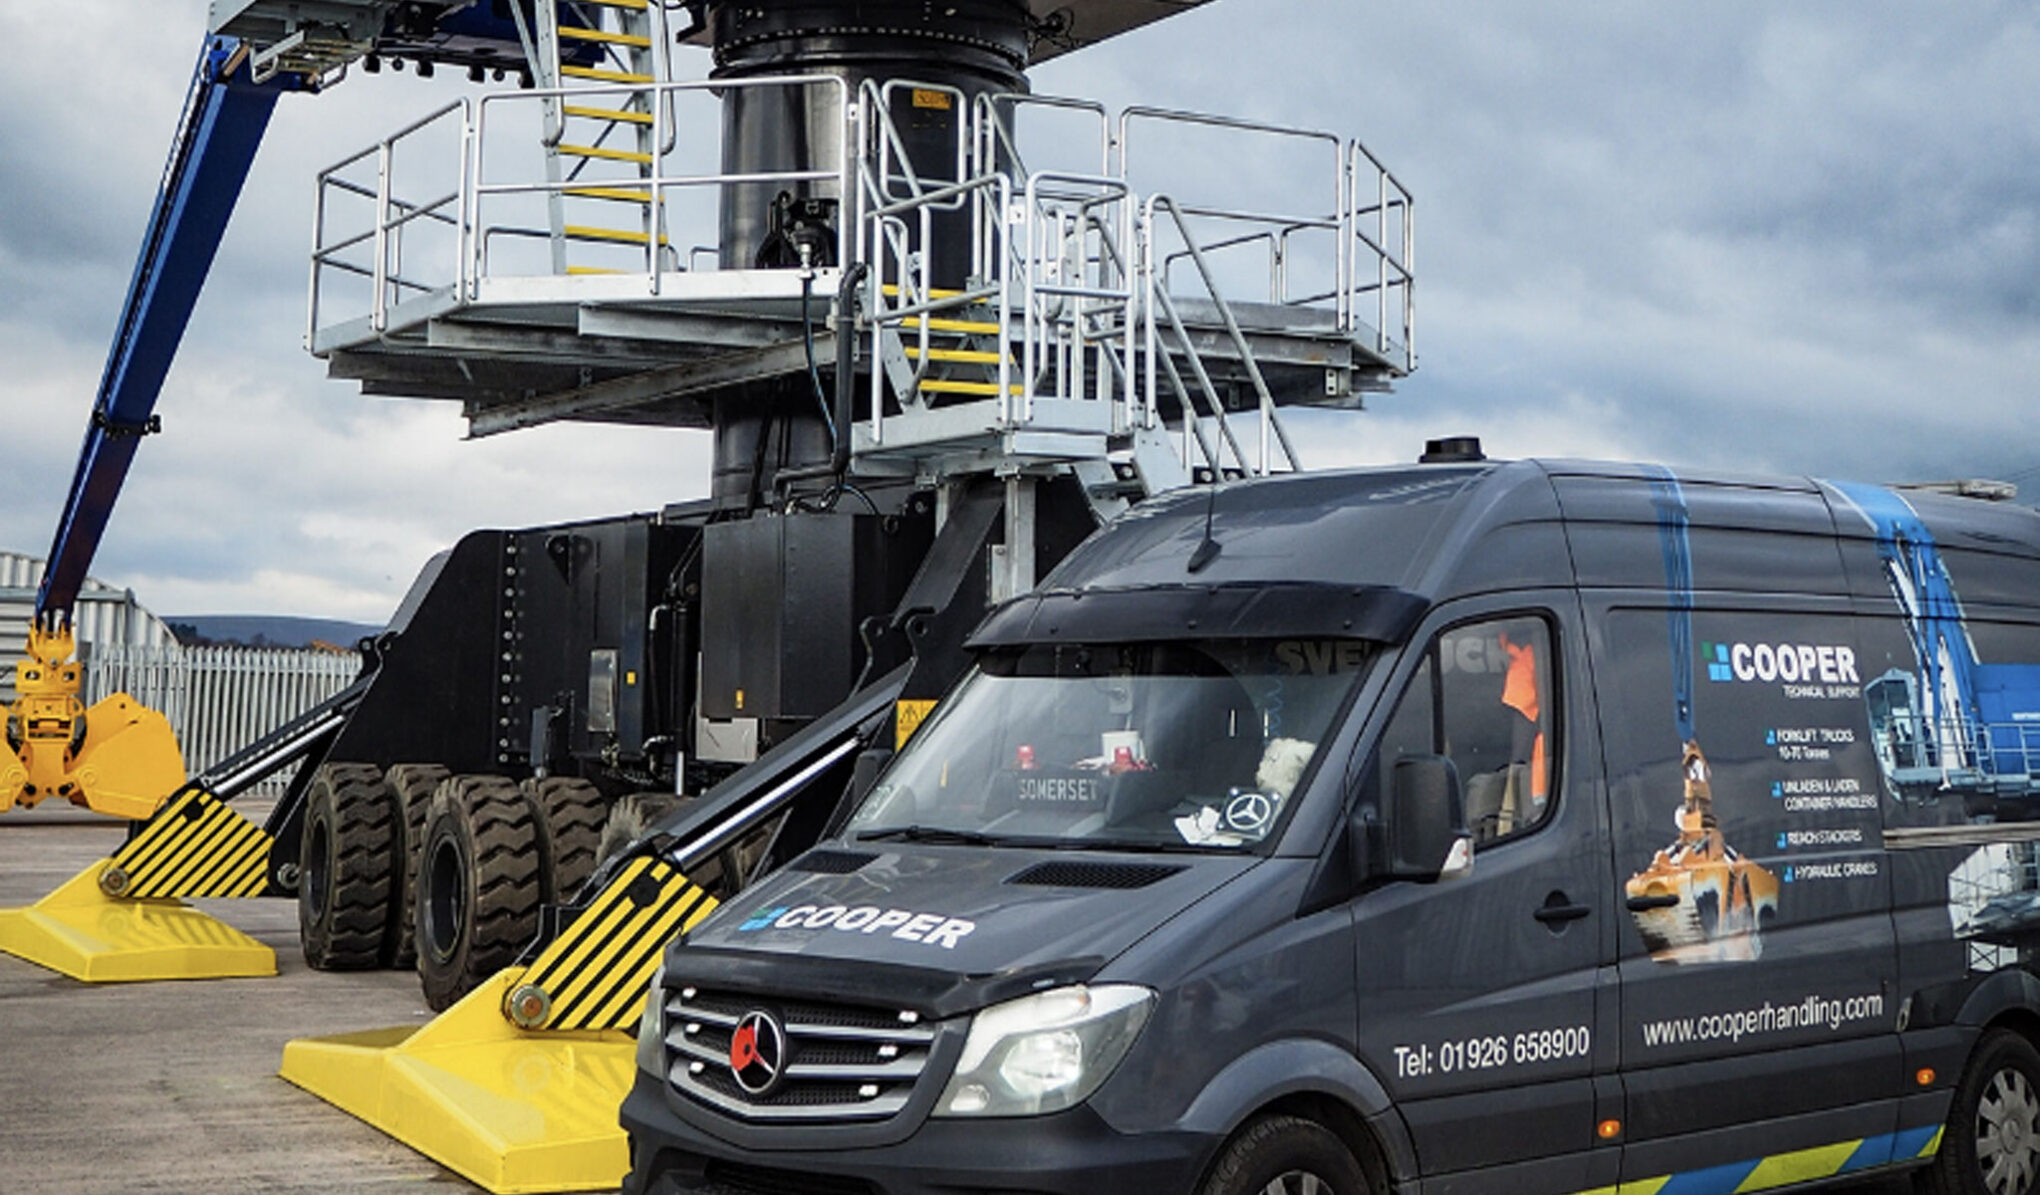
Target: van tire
[1281, 1154]
[2000, 1086]
[344, 865]
[478, 885]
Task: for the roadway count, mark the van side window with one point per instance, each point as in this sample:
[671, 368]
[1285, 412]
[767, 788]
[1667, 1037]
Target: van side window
[1483, 698]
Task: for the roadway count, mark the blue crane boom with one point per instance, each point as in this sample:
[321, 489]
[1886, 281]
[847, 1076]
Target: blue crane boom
[225, 115]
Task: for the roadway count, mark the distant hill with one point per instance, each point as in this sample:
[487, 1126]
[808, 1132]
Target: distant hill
[265, 630]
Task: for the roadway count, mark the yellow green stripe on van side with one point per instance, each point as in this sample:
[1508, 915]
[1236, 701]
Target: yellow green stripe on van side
[1782, 1170]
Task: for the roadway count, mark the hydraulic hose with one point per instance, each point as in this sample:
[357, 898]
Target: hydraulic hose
[846, 358]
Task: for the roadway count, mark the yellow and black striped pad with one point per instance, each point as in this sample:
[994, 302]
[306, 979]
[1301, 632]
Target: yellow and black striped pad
[195, 846]
[595, 974]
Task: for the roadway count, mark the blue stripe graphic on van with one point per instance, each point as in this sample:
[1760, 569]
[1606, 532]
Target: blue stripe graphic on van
[1786, 1169]
[1715, 1180]
[1676, 545]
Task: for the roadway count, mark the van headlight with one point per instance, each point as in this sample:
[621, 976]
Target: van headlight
[1045, 1052]
[651, 1031]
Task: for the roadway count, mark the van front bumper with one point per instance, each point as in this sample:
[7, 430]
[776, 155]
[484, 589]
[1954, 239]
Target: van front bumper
[1066, 1153]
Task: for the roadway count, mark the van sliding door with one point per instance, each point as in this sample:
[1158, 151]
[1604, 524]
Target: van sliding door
[1756, 945]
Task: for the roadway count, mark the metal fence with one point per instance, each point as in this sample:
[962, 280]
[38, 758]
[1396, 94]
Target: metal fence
[219, 699]
[102, 614]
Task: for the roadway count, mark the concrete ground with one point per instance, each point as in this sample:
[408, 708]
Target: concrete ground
[171, 1087]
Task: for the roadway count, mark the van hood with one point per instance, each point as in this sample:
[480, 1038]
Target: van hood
[939, 927]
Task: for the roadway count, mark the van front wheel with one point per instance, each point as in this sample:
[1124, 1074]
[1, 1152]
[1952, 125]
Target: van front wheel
[1992, 1145]
[1285, 1155]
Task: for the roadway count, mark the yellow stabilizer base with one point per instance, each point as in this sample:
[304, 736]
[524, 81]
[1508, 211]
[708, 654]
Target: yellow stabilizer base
[508, 1110]
[87, 935]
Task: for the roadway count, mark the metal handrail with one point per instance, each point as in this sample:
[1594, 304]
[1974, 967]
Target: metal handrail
[1393, 269]
[889, 242]
[385, 230]
[657, 182]
[890, 141]
[1269, 423]
[1039, 321]
[994, 132]
[1341, 191]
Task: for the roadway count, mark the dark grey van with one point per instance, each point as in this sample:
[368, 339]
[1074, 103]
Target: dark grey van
[1522, 828]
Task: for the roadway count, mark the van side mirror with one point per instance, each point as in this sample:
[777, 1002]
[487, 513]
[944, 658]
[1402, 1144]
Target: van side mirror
[1421, 833]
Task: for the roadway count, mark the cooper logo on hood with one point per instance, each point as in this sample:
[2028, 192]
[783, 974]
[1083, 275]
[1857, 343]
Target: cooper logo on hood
[929, 929]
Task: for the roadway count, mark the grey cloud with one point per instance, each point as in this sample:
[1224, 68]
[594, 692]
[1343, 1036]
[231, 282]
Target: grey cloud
[1736, 235]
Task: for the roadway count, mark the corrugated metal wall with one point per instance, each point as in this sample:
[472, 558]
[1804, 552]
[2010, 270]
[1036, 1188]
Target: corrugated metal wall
[219, 699]
[103, 615]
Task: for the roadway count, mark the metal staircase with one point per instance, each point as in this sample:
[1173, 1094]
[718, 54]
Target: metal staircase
[600, 147]
[1013, 320]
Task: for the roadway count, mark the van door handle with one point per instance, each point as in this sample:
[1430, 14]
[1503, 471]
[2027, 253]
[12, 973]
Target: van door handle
[1641, 904]
[1552, 913]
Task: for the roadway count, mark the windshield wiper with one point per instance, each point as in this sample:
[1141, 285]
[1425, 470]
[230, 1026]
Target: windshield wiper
[1134, 846]
[937, 834]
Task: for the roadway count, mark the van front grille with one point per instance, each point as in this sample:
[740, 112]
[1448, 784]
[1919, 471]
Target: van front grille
[797, 1059]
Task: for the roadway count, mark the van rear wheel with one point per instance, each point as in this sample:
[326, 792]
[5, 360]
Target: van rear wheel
[1992, 1145]
[1285, 1155]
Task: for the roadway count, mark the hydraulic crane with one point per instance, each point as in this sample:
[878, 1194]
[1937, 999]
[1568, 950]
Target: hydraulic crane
[119, 757]
[929, 369]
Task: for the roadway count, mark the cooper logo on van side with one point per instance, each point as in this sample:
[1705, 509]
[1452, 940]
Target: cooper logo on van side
[1792, 663]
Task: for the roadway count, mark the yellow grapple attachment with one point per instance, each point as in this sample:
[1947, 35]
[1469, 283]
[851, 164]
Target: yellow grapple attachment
[118, 757]
[120, 920]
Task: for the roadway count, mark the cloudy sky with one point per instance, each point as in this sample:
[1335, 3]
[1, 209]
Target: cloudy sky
[1739, 235]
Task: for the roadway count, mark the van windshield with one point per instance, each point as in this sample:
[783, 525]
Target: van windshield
[1149, 746]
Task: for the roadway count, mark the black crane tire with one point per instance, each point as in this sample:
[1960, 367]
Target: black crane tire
[413, 785]
[570, 813]
[344, 867]
[478, 885]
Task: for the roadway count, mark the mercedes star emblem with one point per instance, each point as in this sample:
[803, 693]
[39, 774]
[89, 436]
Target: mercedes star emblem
[758, 1052]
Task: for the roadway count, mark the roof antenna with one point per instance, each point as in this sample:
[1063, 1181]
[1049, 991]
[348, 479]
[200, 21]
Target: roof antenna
[1208, 550]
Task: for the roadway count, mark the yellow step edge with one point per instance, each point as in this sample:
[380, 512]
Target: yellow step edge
[966, 356]
[633, 5]
[615, 114]
[515, 1113]
[583, 232]
[611, 155]
[946, 387]
[939, 324]
[575, 33]
[81, 932]
[934, 292]
[621, 194]
[589, 72]
[592, 271]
